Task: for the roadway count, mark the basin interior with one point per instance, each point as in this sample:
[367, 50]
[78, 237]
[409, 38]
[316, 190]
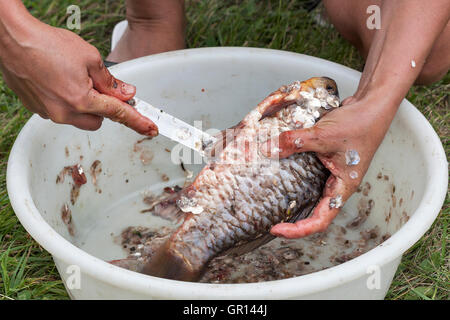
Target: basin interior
[217, 91]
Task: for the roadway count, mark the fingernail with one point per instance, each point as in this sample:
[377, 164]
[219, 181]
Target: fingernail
[127, 89]
[153, 132]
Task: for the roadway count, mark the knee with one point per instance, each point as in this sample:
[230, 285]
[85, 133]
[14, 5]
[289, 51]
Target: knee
[155, 10]
[341, 18]
[348, 17]
[431, 72]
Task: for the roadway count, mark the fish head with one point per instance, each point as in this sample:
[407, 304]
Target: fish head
[325, 83]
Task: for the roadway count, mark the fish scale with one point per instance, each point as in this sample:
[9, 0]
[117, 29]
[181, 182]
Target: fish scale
[241, 193]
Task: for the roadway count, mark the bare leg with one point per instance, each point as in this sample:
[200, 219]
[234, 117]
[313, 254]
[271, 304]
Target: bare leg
[154, 26]
[349, 17]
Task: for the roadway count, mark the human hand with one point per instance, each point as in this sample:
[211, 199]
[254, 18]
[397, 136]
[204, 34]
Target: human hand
[61, 77]
[355, 130]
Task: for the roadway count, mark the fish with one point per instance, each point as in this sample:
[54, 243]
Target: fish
[231, 205]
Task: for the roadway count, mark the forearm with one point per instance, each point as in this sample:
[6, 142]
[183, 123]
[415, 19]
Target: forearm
[15, 25]
[399, 50]
[409, 28]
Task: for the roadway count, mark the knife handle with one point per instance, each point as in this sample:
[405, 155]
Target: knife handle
[108, 64]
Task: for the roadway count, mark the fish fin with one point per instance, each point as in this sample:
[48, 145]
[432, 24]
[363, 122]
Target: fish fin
[303, 212]
[279, 99]
[168, 208]
[249, 246]
[222, 139]
[129, 264]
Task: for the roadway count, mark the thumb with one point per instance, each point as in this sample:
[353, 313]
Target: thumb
[294, 141]
[104, 82]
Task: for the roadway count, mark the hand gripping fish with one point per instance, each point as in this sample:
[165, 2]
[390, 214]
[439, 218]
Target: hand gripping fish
[240, 194]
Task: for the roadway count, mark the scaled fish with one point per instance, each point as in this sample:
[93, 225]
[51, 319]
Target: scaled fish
[240, 194]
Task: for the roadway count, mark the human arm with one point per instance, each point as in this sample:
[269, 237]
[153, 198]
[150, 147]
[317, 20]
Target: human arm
[409, 28]
[60, 76]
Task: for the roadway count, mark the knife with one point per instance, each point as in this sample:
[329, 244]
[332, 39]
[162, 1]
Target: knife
[174, 128]
[171, 127]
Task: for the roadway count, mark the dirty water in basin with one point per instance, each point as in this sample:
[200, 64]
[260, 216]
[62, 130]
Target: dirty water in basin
[130, 246]
[125, 230]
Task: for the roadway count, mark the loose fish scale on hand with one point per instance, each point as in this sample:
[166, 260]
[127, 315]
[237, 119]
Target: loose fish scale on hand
[240, 195]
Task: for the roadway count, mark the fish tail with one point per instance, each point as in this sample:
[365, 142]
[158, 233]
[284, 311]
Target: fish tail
[169, 264]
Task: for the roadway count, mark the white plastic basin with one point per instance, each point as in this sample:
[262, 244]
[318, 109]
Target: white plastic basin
[218, 86]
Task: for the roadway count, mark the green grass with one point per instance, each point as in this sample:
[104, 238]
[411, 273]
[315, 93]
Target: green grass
[28, 272]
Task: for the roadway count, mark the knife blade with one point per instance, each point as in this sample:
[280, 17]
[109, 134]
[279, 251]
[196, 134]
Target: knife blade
[174, 128]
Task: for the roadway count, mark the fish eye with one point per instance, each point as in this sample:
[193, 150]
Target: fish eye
[329, 87]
